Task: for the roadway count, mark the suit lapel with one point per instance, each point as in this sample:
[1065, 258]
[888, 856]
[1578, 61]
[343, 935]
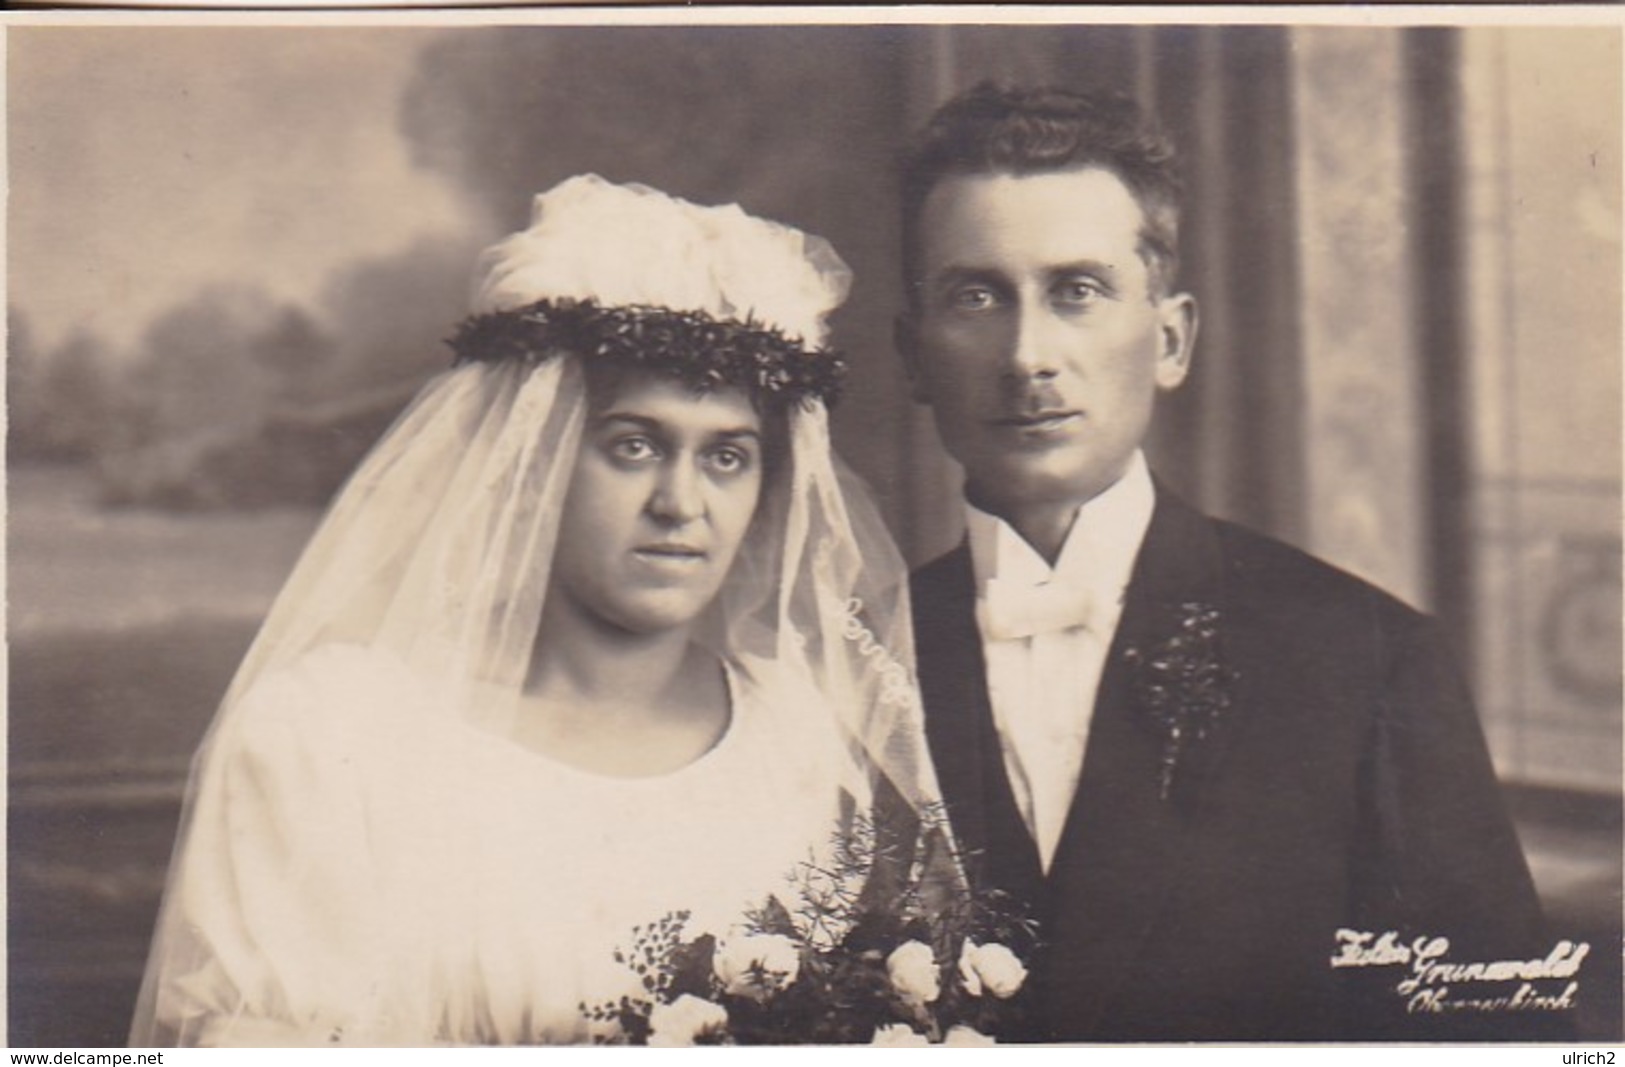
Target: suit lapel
[1120, 854]
[961, 732]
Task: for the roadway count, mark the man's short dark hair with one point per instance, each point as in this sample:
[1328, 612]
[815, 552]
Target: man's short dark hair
[994, 129]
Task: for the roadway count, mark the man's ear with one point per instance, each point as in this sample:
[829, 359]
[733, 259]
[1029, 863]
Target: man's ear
[1176, 334]
[906, 338]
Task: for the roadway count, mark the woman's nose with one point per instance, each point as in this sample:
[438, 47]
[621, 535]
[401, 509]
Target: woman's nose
[678, 496]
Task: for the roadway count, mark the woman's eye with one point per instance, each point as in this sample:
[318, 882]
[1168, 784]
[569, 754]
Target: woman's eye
[730, 460]
[633, 449]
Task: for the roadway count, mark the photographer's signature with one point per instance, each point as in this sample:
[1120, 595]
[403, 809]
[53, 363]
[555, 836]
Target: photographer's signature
[1432, 979]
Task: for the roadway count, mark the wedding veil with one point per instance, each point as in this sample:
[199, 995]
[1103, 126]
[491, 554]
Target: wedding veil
[438, 550]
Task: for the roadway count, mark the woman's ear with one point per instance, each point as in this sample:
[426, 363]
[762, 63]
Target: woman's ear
[1177, 338]
[906, 339]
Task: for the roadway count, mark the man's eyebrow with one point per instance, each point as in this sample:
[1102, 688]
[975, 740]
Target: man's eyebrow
[957, 273]
[954, 273]
[1094, 267]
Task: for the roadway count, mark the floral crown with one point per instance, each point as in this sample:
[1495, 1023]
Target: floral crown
[627, 274]
[703, 352]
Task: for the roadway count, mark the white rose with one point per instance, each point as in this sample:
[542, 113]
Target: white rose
[967, 1037]
[756, 965]
[912, 969]
[992, 967]
[898, 1035]
[684, 1021]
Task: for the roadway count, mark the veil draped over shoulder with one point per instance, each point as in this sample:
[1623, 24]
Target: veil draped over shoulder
[437, 553]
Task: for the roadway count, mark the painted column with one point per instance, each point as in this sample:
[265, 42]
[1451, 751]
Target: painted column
[1541, 120]
[1364, 466]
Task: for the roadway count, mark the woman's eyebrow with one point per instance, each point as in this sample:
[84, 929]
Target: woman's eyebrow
[642, 421]
[614, 423]
[656, 426]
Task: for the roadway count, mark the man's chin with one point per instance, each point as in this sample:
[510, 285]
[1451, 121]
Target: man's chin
[1025, 488]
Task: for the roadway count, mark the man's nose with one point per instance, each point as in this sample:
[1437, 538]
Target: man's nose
[1032, 354]
[678, 496]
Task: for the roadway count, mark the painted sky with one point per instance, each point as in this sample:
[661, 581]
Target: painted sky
[147, 162]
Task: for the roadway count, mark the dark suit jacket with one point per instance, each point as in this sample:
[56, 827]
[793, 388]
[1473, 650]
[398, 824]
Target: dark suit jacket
[1346, 785]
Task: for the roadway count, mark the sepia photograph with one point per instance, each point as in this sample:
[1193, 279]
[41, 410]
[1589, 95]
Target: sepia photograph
[668, 527]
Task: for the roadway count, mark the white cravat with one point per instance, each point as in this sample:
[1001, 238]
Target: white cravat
[1012, 609]
[1045, 634]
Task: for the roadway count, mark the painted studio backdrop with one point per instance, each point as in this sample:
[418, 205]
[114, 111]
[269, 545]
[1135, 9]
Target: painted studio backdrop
[234, 252]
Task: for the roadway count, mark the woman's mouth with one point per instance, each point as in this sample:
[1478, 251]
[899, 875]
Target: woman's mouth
[670, 552]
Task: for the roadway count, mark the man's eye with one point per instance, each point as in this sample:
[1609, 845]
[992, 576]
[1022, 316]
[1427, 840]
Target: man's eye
[633, 449]
[1078, 292]
[972, 298]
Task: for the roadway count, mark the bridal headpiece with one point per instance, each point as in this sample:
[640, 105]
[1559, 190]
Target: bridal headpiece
[710, 295]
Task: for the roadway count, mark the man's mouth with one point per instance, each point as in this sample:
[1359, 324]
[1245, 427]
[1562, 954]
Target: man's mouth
[1046, 420]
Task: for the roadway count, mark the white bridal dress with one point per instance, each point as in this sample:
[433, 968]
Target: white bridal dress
[375, 872]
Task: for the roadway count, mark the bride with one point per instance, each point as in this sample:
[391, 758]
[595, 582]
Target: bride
[598, 632]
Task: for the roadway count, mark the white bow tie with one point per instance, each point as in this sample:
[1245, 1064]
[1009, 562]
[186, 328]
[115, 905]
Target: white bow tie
[1012, 610]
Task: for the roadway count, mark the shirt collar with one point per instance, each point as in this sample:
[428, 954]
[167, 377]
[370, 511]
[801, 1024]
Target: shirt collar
[1099, 549]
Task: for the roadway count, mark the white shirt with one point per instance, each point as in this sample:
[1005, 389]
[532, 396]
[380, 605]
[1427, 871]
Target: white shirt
[1043, 687]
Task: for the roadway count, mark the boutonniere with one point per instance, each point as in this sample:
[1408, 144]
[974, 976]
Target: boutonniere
[1182, 684]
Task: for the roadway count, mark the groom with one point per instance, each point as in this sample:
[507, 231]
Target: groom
[1205, 762]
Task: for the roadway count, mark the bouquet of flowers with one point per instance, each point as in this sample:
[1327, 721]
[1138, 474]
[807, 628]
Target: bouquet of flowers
[862, 950]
